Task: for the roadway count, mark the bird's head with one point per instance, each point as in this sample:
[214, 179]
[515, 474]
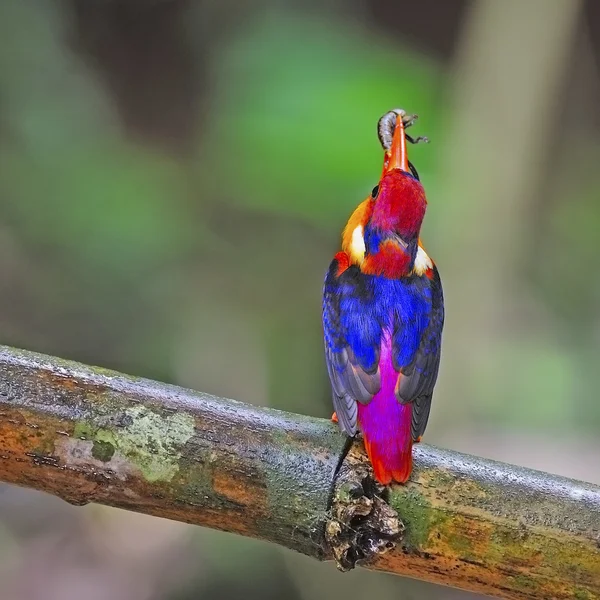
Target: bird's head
[383, 233]
[399, 199]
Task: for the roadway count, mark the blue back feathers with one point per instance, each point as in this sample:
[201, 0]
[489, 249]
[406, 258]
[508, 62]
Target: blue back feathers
[368, 304]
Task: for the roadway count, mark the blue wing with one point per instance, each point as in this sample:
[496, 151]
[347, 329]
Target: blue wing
[352, 342]
[419, 374]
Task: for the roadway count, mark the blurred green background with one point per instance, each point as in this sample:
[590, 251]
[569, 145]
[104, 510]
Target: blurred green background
[174, 178]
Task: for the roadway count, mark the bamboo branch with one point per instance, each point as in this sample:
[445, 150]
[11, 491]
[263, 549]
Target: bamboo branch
[91, 435]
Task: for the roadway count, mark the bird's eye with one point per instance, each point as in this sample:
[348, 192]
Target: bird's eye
[374, 192]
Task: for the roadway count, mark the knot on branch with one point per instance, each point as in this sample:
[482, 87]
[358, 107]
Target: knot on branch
[361, 524]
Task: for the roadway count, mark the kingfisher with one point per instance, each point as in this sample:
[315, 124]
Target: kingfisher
[383, 314]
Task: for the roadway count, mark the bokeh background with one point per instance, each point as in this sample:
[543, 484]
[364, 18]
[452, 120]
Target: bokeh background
[174, 177]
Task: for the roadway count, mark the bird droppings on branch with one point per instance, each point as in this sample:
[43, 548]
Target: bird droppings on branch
[362, 524]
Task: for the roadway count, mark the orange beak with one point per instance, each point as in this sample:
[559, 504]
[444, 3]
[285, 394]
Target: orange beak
[397, 157]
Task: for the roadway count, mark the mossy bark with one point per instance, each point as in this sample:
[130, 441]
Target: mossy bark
[494, 528]
[91, 435]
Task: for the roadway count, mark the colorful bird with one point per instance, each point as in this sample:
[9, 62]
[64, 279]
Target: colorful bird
[383, 314]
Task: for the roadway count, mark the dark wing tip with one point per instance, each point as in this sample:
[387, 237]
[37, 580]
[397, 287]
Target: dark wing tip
[347, 413]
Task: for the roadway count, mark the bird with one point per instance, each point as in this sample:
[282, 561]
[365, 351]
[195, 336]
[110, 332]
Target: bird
[383, 314]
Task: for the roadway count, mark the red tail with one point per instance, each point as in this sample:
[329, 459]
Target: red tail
[388, 466]
[386, 425]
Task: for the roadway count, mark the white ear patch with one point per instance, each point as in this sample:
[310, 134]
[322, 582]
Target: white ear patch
[422, 262]
[357, 245]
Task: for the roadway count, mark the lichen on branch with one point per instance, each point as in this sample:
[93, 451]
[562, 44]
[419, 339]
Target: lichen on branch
[91, 435]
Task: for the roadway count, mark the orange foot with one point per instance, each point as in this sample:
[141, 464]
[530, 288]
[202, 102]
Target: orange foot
[418, 439]
[334, 418]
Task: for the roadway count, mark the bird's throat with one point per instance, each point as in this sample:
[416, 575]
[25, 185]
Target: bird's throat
[392, 260]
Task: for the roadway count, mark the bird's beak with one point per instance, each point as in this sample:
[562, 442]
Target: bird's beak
[397, 157]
